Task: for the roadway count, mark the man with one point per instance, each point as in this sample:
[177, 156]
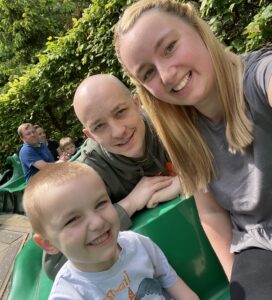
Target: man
[122, 148]
[52, 145]
[33, 154]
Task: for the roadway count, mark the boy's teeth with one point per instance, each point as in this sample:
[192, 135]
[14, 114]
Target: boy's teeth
[100, 239]
[182, 84]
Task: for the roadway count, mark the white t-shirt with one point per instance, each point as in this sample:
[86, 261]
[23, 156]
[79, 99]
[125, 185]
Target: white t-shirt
[140, 261]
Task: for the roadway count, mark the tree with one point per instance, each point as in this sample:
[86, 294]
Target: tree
[25, 26]
[43, 92]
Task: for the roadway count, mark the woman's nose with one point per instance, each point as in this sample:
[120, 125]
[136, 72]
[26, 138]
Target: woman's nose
[168, 75]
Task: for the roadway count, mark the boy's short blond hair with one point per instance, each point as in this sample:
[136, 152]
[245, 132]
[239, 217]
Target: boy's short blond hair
[22, 128]
[50, 177]
[64, 142]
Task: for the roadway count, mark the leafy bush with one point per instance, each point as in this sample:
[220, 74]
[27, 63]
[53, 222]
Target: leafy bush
[43, 93]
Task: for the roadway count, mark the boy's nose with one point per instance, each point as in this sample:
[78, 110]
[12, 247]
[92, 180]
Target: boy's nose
[96, 223]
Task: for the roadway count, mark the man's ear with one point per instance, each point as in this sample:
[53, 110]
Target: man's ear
[137, 102]
[88, 134]
[45, 244]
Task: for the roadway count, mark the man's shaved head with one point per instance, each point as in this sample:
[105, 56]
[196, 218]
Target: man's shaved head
[110, 115]
[96, 88]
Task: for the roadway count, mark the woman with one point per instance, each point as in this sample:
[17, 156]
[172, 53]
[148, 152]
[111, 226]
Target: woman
[212, 110]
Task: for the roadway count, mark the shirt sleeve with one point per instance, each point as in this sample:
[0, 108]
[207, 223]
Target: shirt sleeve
[125, 221]
[30, 156]
[264, 72]
[163, 270]
[63, 290]
[258, 72]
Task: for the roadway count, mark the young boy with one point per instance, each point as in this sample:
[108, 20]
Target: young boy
[67, 146]
[70, 211]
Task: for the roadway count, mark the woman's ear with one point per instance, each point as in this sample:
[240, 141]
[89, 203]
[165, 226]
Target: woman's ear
[88, 134]
[45, 244]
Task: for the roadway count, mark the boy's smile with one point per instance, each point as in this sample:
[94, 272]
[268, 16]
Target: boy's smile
[83, 224]
[101, 240]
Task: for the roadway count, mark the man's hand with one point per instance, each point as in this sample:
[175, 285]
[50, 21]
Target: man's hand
[138, 198]
[165, 194]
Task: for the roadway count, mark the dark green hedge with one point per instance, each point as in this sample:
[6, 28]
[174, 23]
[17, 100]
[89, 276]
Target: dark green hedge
[43, 94]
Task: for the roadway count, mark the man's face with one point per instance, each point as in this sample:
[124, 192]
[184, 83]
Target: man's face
[29, 136]
[82, 223]
[116, 123]
[41, 134]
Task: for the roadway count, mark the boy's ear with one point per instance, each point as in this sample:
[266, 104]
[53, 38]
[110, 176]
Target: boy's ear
[88, 134]
[137, 102]
[45, 244]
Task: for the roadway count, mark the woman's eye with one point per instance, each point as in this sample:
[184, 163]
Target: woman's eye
[169, 48]
[148, 74]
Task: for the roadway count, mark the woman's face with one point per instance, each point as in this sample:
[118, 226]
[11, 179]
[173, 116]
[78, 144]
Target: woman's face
[168, 57]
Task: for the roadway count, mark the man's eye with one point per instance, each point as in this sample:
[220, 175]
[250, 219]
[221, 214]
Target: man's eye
[121, 111]
[170, 48]
[148, 74]
[98, 127]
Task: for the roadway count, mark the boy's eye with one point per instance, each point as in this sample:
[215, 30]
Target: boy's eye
[170, 48]
[71, 220]
[102, 203]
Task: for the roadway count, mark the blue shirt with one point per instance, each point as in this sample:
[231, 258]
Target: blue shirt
[30, 154]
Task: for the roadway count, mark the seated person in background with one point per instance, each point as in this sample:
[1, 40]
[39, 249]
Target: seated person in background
[52, 145]
[123, 149]
[67, 146]
[70, 211]
[33, 155]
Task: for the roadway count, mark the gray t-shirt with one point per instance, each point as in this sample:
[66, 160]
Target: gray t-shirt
[140, 259]
[243, 185]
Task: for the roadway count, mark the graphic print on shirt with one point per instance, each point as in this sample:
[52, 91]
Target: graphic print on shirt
[148, 289]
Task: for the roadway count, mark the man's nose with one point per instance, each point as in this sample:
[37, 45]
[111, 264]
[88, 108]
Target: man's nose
[117, 129]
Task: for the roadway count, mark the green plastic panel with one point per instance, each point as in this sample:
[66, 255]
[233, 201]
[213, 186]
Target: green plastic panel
[176, 228]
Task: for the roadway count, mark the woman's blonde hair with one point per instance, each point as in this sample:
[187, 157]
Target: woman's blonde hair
[176, 125]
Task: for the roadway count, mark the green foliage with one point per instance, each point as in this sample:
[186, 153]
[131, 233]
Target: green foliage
[42, 92]
[24, 29]
[242, 25]
[259, 31]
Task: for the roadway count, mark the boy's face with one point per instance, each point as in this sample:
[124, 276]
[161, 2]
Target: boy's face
[83, 224]
[70, 149]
